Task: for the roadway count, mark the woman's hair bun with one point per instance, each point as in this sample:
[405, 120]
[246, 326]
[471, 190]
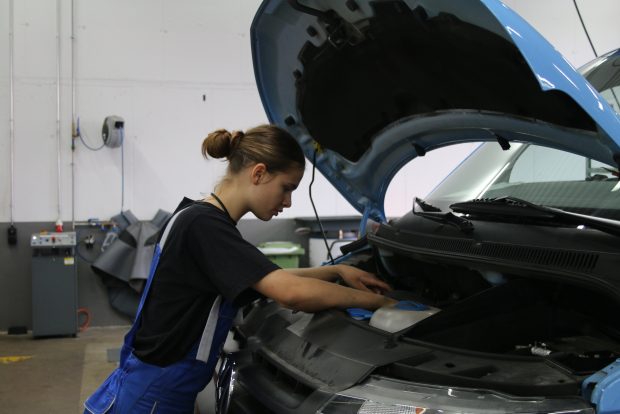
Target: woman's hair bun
[218, 144]
[266, 144]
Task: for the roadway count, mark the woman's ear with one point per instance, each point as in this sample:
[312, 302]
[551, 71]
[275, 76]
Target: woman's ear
[258, 173]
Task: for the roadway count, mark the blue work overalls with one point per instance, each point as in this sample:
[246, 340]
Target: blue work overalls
[138, 387]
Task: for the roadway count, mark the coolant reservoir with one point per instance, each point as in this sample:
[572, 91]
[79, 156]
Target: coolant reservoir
[400, 316]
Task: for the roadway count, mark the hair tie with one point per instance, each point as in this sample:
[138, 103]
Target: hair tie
[236, 135]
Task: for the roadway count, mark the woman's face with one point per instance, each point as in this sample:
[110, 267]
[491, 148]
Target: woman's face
[274, 192]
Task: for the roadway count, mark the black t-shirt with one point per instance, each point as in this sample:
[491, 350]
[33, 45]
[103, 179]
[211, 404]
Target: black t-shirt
[204, 256]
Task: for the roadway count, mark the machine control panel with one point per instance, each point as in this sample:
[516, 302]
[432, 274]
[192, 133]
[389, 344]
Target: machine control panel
[65, 239]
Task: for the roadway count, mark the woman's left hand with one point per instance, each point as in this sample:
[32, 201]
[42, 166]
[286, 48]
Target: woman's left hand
[362, 280]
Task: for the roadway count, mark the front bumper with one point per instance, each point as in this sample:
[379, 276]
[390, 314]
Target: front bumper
[245, 388]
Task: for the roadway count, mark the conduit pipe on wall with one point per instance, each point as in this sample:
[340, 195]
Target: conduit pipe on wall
[11, 108]
[58, 11]
[73, 129]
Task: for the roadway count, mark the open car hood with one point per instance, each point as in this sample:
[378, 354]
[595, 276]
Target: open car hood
[373, 84]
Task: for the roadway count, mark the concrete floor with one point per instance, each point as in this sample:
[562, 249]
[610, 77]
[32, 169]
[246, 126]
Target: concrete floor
[54, 375]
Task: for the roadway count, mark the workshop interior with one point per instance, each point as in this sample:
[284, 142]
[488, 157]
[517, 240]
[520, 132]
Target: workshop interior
[466, 153]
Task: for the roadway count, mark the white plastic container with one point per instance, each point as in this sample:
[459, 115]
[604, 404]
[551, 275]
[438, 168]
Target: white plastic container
[401, 316]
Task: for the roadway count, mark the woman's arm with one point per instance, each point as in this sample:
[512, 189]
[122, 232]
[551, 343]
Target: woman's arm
[311, 294]
[327, 273]
[354, 277]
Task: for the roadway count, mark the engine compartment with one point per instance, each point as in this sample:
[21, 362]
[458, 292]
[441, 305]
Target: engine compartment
[523, 336]
[486, 311]
[525, 323]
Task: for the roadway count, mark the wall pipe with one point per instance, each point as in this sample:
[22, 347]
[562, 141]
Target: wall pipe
[73, 128]
[58, 11]
[11, 106]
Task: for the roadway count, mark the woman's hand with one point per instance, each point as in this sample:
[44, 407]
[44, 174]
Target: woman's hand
[362, 280]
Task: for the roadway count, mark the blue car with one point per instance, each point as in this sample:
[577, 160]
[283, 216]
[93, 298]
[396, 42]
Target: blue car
[508, 272]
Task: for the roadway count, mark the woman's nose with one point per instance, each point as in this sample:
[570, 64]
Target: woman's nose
[288, 201]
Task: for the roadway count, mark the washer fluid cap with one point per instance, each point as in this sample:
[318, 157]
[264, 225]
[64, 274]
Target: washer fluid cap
[359, 313]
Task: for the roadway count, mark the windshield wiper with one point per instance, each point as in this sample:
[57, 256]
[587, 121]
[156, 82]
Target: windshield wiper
[516, 208]
[433, 213]
[426, 206]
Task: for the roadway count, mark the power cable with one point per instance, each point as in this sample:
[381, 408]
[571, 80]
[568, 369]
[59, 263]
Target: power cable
[84, 325]
[584, 28]
[79, 134]
[88, 146]
[593, 49]
[329, 253]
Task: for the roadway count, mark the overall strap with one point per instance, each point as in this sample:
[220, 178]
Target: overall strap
[204, 348]
[216, 329]
[159, 247]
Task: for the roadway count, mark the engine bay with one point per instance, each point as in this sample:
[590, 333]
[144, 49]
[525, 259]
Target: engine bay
[493, 310]
[536, 321]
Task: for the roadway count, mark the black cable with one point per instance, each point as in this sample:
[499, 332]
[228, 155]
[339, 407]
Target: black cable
[329, 253]
[593, 49]
[584, 28]
[616, 98]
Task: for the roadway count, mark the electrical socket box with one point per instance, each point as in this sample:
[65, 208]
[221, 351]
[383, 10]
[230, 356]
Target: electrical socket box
[65, 239]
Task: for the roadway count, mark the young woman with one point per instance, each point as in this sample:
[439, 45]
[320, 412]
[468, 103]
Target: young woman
[203, 270]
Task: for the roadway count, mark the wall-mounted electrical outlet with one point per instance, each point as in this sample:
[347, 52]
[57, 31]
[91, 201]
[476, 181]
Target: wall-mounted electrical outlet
[12, 235]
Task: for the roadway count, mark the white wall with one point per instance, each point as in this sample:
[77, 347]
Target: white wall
[151, 62]
[558, 22]
[148, 61]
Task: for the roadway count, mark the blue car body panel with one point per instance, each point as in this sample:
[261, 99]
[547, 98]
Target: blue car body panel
[554, 72]
[279, 33]
[603, 389]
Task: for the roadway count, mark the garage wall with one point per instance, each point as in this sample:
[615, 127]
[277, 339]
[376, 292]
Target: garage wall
[558, 22]
[16, 281]
[175, 70]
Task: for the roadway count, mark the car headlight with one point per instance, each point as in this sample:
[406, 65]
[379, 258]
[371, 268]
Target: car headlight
[389, 396]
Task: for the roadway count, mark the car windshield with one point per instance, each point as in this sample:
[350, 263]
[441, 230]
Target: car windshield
[604, 74]
[536, 174]
[543, 175]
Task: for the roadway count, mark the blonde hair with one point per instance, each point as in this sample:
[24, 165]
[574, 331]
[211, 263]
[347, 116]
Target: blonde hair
[267, 144]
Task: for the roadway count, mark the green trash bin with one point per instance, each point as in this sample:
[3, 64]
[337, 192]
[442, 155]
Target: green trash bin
[284, 254]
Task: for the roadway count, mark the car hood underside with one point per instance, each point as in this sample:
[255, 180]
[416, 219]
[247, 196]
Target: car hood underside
[388, 77]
